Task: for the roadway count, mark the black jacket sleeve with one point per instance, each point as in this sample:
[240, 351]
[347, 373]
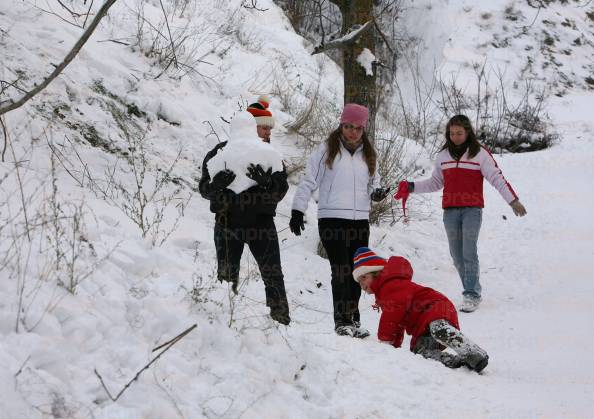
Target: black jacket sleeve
[204, 185]
[219, 200]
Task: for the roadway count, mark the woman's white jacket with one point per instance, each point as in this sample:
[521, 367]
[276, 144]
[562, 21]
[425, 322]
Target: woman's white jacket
[344, 190]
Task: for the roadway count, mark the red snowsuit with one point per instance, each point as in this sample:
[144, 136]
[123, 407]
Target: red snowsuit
[406, 305]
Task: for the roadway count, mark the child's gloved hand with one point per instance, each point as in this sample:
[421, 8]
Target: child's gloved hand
[518, 208]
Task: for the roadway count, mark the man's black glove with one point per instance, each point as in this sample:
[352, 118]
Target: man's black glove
[222, 179]
[379, 194]
[296, 223]
[257, 173]
[214, 151]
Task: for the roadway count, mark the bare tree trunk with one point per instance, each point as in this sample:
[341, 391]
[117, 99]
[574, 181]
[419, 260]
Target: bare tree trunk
[359, 87]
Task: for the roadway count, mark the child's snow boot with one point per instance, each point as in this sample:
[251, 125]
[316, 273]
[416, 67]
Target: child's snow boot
[471, 354]
[476, 360]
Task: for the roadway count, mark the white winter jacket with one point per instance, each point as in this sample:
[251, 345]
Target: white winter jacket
[345, 189]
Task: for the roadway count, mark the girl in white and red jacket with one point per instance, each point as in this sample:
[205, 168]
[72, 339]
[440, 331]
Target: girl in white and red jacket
[460, 168]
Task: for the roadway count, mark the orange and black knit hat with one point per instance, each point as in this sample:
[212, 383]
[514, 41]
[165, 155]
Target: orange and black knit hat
[261, 113]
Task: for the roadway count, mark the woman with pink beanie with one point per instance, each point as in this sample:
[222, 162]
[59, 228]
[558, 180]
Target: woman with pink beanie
[344, 170]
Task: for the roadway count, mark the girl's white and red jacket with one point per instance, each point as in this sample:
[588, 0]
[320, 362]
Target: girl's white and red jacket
[462, 180]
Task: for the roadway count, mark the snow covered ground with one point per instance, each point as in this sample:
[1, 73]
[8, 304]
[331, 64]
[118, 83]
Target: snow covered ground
[536, 271]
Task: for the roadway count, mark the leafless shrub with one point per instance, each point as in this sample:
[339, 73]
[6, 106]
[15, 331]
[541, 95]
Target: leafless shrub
[249, 37]
[69, 12]
[252, 4]
[414, 114]
[145, 195]
[316, 115]
[178, 46]
[502, 123]
[200, 294]
[43, 243]
[46, 398]
[65, 233]
[396, 163]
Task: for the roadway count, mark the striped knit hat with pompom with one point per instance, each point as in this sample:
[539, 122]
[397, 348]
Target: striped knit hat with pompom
[261, 113]
[365, 261]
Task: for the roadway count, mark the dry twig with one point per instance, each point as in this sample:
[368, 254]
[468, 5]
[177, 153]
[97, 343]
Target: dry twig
[167, 346]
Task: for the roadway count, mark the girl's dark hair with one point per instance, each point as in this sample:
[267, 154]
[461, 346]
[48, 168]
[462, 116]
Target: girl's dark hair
[369, 152]
[471, 144]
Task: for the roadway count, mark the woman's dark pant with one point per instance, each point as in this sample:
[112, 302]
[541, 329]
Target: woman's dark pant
[262, 240]
[341, 238]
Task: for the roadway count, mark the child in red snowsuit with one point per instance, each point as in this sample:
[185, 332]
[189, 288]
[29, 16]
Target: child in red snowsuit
[425, 314]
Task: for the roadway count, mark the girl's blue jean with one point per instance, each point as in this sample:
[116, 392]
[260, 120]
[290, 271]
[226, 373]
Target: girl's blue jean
[462, 226]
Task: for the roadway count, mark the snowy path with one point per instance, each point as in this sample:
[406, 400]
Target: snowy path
[535, 320]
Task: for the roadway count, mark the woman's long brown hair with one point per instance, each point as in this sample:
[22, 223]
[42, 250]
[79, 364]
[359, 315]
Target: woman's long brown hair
[471, 144]
[369, 152]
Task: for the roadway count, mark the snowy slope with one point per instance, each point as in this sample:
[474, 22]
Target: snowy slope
[549, 41]
[238, 363]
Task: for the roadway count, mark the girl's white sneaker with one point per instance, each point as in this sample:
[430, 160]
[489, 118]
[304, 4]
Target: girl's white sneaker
[469, 304]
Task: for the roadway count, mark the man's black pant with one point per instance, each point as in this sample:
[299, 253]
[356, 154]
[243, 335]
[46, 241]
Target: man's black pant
[341, 238]
[262, 240]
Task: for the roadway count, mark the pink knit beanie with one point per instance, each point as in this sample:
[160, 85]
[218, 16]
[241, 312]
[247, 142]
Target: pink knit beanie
[354, 114]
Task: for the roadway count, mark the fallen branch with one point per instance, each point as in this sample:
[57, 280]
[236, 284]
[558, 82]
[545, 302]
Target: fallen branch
[73, 52]
[167, 346]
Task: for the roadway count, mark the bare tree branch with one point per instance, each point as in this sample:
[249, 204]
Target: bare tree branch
[384, 38]
[253, 5]
[351, 37]
[341, 4]
[72, 12]
[88, 14]
[73, 52]
[5, 137]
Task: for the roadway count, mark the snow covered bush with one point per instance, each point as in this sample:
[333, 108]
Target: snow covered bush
[166, 32]
[147, 196]
[397, 157]
[506, 117]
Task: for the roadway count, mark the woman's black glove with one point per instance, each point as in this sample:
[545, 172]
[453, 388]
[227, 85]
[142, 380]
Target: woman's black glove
[379, 194]
[257, 173]
[296, 223]
[221, 180]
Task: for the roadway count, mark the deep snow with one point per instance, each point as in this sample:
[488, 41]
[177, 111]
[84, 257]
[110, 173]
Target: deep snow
[536, 271]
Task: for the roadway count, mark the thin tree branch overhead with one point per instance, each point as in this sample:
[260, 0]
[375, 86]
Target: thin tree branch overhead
[73, 52]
